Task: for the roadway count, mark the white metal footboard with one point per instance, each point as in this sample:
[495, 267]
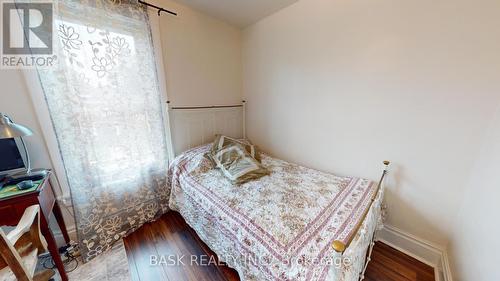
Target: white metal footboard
[376, 206]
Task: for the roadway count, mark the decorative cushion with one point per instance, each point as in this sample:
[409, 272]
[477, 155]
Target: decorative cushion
[223, 141]
[237, 164]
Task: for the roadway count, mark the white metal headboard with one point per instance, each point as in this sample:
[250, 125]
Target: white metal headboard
[191, 126]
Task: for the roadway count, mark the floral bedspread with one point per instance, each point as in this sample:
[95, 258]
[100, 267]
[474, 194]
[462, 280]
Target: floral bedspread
[280, 227]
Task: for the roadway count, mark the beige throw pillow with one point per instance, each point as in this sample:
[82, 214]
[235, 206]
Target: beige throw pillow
[223, 141]
[237, 164]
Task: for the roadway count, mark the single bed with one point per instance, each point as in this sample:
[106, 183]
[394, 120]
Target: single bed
[295, 224]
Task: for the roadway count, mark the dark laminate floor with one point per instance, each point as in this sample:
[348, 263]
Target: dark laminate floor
[170, 235]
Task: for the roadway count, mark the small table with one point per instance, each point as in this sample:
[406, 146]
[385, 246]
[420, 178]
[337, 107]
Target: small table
[12, 207]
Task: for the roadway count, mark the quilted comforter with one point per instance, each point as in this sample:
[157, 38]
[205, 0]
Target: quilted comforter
[280, 227]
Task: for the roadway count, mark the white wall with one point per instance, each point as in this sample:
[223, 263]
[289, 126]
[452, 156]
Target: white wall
[475, 242]
[15, 101]
[342, 85]
[202, 57]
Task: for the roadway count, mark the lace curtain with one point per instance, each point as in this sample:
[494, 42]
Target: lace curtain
[104, 101]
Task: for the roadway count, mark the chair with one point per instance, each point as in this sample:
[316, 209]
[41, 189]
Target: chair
[20, 248]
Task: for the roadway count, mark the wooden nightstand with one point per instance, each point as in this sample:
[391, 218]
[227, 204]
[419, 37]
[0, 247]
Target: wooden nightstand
[12, 209]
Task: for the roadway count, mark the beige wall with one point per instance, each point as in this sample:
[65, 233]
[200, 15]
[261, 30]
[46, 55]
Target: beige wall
[202, 57]
[342, 85]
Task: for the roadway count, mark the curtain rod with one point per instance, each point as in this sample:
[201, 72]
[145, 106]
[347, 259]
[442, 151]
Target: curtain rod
[160, 9]
[207, 107]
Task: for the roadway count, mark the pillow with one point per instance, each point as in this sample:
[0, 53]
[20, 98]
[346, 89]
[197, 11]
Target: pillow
[237, 164]
[223, 141]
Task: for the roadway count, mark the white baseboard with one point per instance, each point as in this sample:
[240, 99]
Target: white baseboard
[420, 249]
[59, 237]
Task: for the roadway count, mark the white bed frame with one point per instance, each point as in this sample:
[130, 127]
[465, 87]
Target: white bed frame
[192, 126]
[196, 125]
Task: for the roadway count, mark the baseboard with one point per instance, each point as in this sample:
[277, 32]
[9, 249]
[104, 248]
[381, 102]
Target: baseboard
[59, 237]
[420, 249]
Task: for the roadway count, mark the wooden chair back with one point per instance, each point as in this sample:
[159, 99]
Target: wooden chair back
[19, 249]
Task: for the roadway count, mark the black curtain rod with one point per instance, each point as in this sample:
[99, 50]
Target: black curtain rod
[160, 9]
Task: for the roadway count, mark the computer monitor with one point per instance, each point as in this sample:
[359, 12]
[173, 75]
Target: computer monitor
[11, 160]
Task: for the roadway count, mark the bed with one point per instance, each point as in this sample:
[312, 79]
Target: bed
[295, 224]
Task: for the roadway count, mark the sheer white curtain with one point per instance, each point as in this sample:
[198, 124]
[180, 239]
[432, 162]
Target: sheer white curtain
[105, 105]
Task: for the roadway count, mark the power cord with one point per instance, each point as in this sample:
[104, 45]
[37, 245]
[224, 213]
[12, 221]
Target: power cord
[69, 255]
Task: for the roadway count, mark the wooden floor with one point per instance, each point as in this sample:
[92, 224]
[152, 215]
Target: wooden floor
[171, 236]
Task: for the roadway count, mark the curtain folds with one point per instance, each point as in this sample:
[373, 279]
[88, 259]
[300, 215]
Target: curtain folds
[106, 109]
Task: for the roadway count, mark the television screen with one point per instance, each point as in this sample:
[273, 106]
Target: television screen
[10, 158]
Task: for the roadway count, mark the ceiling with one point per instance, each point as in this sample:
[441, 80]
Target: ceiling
[241, 13]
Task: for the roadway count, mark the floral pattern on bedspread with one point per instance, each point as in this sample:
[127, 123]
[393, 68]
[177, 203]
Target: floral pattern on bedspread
[279, 227]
